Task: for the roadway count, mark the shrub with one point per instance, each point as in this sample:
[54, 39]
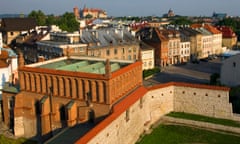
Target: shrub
[150, 72]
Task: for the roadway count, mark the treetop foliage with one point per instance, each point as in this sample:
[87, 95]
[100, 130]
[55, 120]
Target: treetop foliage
[67, 22]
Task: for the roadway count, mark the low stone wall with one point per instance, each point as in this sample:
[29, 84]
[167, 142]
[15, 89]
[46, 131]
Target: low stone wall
[202, 101]
[127, 125]
[200, 124]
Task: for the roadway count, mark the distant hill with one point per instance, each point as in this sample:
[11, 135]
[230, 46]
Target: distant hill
[12, 15]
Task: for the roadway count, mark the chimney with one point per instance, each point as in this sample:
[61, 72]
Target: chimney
[41, 59]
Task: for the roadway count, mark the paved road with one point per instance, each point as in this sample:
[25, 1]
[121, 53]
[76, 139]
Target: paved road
[192, 73]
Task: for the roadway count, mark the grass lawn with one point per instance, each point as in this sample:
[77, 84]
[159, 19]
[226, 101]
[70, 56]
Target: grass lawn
[5, 140]
[204, 119]
[175, 134]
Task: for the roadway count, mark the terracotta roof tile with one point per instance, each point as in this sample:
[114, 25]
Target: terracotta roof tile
[227, 32]
[209, 27]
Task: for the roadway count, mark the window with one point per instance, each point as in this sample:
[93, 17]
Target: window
[134, 57]
[129, 57]
[145, 64]
[92, 53]
[115, 51]
[129, 50]
[150, 63]
[134, 49]
[11, 33]
[81, 49]
[108, 52]
[123, 50]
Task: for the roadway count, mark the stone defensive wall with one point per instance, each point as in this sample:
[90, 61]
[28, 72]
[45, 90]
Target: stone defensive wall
[136, 113]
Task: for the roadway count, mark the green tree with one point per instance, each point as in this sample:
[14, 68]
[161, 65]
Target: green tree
[39, 16]
[68, 22]
[214, 79]
[181, 21]
[51, 20]
[232, 22]
[88, 16]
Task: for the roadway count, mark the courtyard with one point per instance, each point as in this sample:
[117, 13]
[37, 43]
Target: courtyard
[190, 72]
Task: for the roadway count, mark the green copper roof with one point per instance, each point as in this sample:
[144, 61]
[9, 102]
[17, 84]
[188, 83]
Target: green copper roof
[88, 66]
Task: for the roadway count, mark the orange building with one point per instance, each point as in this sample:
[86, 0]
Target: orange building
[166, 44]
[67, 91]
[94, 12]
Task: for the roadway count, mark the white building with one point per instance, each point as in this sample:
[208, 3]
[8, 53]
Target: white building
[147, 53]
[230, 71]
[8, 67]
[1, 41]
[207, 42]
[185, 51]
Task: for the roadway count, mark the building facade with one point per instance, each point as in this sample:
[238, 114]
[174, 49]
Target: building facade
[212, 44]
[166, 45]
[185, 51]
[94, 12]
[67, 91]
[230, 71]
[13, 27]
[61, 44]
[8, 67]
[195, 39]
[111, 44]
[147, 56]
[229, 37]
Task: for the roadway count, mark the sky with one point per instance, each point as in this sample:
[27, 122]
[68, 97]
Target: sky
[125, 7]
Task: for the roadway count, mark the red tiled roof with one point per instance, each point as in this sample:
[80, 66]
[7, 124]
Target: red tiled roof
[227, 32]
[212, 29]
[118, 109]
[209, 27]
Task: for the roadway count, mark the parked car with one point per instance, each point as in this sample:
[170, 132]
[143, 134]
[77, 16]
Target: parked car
[204, 60]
